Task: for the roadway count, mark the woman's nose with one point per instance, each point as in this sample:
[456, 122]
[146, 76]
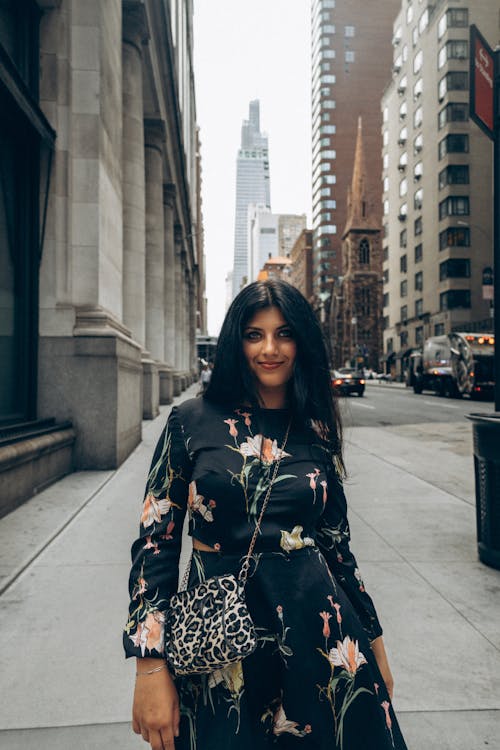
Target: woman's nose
[269, 344]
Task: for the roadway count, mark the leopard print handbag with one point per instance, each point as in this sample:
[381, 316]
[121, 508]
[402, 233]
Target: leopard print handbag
[208, 626]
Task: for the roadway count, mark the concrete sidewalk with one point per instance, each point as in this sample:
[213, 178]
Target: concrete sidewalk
[64, 559]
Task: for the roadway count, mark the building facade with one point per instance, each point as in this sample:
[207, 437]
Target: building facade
[252, 187]
[301, 257]
[351, 60]
[101, 222]
[290, 227]
[357, 297]
[262, 243]
[437, 180]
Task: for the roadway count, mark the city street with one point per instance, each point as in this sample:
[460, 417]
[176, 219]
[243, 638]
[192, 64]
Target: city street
[64, 565]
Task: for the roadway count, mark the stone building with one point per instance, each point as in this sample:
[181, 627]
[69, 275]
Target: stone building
[100, 218]
[437, 180]
[278, 268]
[301, 257]
[357, 299]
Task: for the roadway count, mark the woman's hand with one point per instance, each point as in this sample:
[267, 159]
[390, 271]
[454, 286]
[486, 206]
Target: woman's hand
[155, 712]
[379, 652]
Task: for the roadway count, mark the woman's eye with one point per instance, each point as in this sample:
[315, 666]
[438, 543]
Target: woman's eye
[251, 335]
[286, 333]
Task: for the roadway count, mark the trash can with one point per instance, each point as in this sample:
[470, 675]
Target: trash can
[486, 434]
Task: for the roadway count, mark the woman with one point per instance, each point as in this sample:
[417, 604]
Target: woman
[319, 677]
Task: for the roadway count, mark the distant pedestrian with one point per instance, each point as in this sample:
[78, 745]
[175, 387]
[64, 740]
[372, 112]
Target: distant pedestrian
[266, 428]
[206, 375]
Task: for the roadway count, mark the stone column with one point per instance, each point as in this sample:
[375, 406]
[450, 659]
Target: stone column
[167, 373]
[155, 337]
[178, 310]
[169, 273]
[134, 240]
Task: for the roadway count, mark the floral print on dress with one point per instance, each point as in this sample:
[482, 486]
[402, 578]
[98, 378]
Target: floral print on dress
[312, 614]
[292, 540]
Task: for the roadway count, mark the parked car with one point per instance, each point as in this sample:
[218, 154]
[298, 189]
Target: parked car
[346, 380]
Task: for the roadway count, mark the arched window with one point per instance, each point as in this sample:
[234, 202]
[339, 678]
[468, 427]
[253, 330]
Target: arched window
[364, 251]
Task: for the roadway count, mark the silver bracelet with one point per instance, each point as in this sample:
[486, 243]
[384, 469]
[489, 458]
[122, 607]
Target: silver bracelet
[152, 671]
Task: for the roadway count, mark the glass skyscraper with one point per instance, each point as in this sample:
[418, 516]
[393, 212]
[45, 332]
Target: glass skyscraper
[252, 186]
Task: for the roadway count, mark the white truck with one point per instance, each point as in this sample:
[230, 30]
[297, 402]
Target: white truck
[455, 365]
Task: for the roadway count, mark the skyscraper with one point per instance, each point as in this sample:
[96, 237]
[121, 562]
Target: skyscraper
[252, 186]
[351, 60]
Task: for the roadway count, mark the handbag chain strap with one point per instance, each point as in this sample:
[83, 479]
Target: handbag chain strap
[243, 575]
[246, 563]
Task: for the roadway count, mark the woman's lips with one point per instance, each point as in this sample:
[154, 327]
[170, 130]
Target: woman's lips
[270, 365]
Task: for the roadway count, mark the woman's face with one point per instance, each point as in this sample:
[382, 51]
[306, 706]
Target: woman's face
[270, 351]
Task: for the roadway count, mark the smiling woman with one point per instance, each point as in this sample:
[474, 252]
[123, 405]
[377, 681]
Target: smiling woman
[259, 457]
[270, 349]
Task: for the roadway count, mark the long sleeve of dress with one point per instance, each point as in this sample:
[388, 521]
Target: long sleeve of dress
[155, 554]
[333, 538]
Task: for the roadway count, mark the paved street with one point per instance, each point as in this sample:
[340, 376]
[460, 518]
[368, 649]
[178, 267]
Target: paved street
[64, 565]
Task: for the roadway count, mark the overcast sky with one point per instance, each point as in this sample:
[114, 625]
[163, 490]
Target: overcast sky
[243, 50]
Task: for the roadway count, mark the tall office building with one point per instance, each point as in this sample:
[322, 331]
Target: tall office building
[252, 186]
[270, 235]
[437, 180]
[351, 59]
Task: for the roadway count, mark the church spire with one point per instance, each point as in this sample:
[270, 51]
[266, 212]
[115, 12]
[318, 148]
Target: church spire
[359, 209]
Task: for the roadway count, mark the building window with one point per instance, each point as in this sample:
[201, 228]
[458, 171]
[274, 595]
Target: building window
[350, 56]
[453, 112]
[386, 161]
[418, 117]
[386, 253]
[403, 136]
[418, 62]
[455, 143]
[418, 144]
[403, 83]
[385, 275]
[409, 14]
[439, 329]
[385, 301]
[456, 49]
[403, 264]
[385, 323]
[403, 238]
[363, 302]
[418, 199]
[403, 288]
[403, 188]
[414, 36]
[390, 346]
[386, 208]
[419, 281]
[403, 110]
[403, 339]
[403, 212]
[423, 21]
[454, 205]
[349, 31]
[418, 226]
[418, 253]
[453, 18]
[418, 88]
[454, 298]
[456, 80]
[404, 314]
[454, 237]
[364, 251]
[24, 137]
[454, 268]
[418, 171]
[419, 307]
[419, 335]
[455, 174]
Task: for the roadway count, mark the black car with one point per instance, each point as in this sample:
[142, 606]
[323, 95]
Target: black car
[347, 380]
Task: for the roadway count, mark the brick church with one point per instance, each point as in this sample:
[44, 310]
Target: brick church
[356, 312]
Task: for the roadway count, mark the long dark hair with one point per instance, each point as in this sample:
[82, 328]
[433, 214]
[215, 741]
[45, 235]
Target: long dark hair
[309, 392]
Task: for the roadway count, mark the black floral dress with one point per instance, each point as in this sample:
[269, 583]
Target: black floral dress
[313, 681]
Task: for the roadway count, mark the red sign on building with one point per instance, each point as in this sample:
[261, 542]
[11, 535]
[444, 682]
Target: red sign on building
[482, 82]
